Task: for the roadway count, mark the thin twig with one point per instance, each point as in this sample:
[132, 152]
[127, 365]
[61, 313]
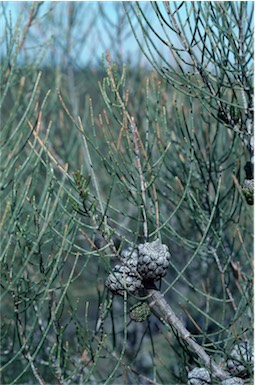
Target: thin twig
[24, 340]
[55, 161]
[140, 172]
[143, 151]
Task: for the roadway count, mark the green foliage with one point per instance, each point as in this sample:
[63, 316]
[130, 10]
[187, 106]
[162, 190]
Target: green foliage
[128, 160]
[211, 54]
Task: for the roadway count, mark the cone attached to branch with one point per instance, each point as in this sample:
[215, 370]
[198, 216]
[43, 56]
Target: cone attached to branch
[153, 260]
[125, 277]
[147, 262]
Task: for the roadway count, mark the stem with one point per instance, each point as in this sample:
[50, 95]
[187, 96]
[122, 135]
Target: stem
[140, 172]
[159, 302]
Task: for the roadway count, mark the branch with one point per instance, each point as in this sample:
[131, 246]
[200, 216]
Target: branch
[140, 172]
[159, 302]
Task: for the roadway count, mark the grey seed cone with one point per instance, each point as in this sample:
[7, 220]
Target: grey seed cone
[241, 357]
[153, 260]
[130, 257]
[232, 381]
[125, 277]
[199, 376]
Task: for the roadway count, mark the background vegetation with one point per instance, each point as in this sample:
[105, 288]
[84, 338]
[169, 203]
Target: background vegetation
[77, 184]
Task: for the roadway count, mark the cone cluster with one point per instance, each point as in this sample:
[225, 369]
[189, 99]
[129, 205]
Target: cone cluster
[146, 262]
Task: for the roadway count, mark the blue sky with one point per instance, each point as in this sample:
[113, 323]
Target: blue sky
[97, 26]
[92, 34]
